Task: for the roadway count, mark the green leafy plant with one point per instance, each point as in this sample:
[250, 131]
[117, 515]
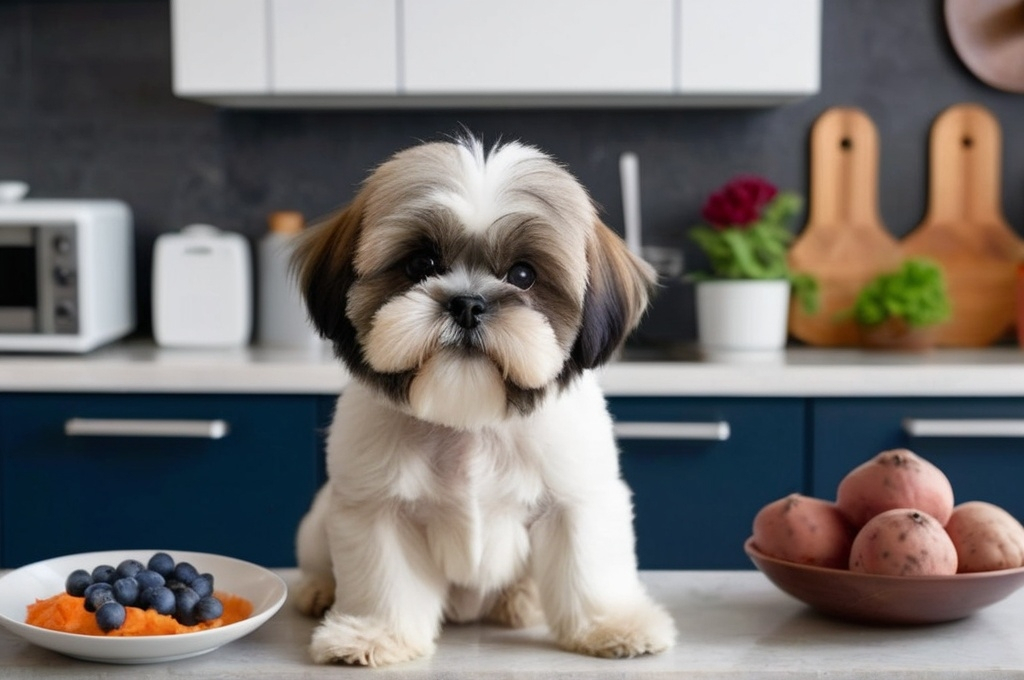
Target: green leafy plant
[915, 293]
[747, 236]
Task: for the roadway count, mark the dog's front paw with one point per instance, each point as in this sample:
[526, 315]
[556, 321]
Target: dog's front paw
[360, 641]
[645, 629]
[315, 594]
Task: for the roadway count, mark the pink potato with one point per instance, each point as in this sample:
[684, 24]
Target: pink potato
[903, 542]
[986, 537]
[897, 478]
[805, 530]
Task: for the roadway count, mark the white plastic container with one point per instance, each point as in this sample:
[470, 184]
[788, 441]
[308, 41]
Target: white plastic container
[202, 288]
[281, 317]
[743, 315]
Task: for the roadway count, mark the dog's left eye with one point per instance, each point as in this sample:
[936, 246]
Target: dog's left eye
[521, 275]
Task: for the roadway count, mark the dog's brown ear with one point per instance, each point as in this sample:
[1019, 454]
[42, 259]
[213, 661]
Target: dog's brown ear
[322, 262]
[618, 290]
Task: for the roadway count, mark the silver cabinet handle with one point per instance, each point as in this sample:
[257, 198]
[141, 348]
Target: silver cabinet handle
[115, 427]
[924, 427]
[717, 431]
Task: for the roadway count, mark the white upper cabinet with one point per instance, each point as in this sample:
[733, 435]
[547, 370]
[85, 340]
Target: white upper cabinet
[330, 46]
[749, 47]
[554, 47]
[350, 53]
[220, 47]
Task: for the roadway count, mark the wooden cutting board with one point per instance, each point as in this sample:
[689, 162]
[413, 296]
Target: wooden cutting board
[844, 243]
[964, 229]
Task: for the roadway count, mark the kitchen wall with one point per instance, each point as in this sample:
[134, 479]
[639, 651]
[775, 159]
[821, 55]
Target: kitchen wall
[86, 110]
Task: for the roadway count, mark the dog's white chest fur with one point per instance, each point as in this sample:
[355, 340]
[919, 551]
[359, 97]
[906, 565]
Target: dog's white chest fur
[474, 501]
[468, 496]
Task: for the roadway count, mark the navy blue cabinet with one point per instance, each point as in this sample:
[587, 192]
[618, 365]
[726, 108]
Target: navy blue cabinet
[695, 490]
[695, 494]
[240, 495]
[849, 431]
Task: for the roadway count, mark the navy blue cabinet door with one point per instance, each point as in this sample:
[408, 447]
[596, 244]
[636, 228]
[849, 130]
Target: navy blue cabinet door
[695, 501]
[848, 432]
[241, 495]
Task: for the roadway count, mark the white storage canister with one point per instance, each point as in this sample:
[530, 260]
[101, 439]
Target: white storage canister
[282, 320]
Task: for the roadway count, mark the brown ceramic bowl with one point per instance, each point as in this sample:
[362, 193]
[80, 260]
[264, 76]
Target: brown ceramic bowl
[887, 599]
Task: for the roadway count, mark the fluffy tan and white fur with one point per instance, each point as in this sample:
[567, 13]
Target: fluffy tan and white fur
[472, 469]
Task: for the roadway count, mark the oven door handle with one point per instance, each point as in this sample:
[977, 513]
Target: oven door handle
[125, 427]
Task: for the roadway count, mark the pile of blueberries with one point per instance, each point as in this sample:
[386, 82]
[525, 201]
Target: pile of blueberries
[177, 590]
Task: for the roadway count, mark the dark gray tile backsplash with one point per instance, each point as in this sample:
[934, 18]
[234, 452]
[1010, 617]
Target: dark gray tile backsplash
[86, 110]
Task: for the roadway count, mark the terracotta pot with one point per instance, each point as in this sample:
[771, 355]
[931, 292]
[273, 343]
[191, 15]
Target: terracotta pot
[897, 334]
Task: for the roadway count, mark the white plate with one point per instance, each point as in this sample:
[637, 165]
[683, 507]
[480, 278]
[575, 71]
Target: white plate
[41, 580]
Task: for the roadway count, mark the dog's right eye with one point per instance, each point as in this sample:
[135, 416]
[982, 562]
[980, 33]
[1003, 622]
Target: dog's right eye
[421, 265]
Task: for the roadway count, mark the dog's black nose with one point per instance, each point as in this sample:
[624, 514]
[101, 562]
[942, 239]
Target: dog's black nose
[466, 310]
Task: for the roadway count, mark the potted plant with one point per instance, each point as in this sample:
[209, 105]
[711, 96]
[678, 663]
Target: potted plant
[901, 309]
[743, 302]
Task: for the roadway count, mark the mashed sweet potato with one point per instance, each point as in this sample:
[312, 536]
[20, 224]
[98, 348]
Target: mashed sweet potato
[67, 613]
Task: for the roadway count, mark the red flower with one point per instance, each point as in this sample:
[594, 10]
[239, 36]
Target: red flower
[738, 203]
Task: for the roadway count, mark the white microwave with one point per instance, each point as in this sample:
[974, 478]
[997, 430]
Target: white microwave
[67, 279]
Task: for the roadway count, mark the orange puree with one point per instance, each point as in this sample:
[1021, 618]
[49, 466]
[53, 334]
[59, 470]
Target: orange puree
[67, 614]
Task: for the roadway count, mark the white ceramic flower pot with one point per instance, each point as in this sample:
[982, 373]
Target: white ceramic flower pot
[742, 315]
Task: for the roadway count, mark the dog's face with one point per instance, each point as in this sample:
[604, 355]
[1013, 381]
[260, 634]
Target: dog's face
[464, 285]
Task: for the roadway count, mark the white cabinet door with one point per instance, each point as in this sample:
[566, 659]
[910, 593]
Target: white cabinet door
[333, 47]
[220, 47]
[749, 47]
[537, 46]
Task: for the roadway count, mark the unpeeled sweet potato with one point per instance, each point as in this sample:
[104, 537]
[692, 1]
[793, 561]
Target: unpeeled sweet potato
[898, 478]
[903, 542]
[986, 537]
[802, 529]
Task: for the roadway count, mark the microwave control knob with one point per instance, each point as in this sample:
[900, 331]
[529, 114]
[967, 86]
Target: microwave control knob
[65, 310]
[62, 244]
[64, 276]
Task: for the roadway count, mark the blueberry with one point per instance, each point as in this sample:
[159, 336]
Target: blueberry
[110, 616]
[160, 599]
[126, 591]
[184, 606]
[161, 563]
[96, 586]
[77, 582]
[104, 574]
[185, 572]
[208, 608]
[203, 585]
[149, 579]
[96, 595]
[129, 568]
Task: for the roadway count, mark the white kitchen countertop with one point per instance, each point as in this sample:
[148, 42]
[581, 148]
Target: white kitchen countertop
[731, 625]
[140, 366]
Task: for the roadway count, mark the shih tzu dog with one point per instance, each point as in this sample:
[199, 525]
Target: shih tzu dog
[472, 469]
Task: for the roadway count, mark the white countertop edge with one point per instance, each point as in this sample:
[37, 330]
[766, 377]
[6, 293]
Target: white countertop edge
[798, 372]
[812, 381]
